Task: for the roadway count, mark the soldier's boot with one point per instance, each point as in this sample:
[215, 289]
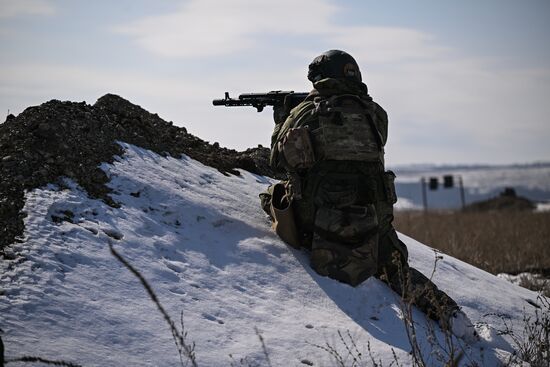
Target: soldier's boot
[417, 289]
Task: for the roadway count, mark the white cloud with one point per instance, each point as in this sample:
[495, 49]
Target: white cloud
[13, 8]
[386, 44]
[204, 28]
[210, 27]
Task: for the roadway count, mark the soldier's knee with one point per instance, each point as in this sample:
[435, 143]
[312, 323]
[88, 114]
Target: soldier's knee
[335, 270]
[338, 263]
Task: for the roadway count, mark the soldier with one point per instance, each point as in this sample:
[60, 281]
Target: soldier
[338, 199]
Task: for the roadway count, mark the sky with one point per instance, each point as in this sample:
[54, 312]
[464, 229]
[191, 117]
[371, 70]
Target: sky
[462, 81]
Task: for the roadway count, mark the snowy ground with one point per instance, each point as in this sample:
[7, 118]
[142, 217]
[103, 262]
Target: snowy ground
[205, 246]
[543, 207]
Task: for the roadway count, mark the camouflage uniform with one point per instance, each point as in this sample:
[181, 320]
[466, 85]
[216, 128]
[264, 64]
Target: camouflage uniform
[345, 209]
[332, 147]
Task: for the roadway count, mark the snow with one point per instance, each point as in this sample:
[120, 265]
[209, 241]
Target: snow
[405, 204]
[201, 240]
[543, 207]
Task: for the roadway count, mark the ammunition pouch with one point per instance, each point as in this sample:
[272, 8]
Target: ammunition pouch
[351, 225]
[283, 215]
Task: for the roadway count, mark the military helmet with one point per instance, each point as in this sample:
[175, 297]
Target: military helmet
[334, 64]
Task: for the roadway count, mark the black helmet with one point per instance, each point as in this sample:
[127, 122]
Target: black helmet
[334, 64]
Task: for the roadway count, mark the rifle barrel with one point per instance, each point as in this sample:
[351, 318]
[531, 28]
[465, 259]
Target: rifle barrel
[229, 102]
[260, 100]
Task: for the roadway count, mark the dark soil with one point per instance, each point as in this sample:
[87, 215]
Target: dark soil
[67, 139]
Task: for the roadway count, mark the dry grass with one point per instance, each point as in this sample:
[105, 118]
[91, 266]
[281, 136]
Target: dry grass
[498, 242]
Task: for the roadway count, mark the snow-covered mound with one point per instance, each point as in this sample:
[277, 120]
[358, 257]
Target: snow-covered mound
[205, 246]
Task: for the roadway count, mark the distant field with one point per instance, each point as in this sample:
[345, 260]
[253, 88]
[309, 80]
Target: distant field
[498, 242]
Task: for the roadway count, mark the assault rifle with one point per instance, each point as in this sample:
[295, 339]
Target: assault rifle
[282, 101]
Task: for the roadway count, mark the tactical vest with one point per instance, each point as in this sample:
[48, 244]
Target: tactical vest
[333, 151]
[339, 128]
[346, 130]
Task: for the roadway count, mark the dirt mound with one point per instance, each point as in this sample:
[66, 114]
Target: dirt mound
[67, 139]
[507, 200]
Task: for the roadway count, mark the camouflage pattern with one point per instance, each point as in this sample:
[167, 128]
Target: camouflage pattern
[302, 115]
[345, 263]
[345, 205]
[417, 289]
[297, 148]
[342, 198]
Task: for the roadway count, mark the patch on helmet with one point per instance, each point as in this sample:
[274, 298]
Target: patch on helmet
[350, 70]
